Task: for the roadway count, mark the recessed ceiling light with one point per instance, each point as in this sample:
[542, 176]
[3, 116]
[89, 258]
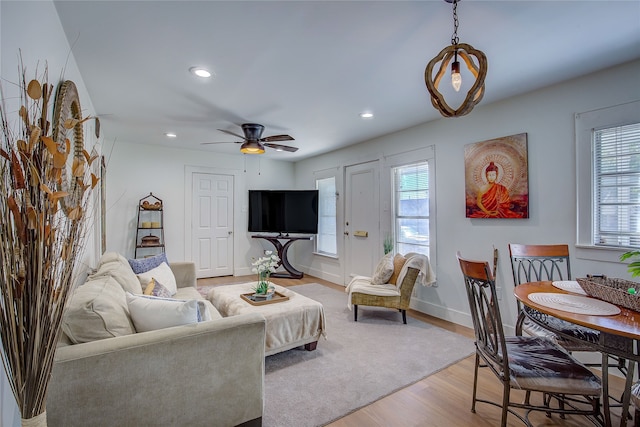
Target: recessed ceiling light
[170, 135]
[200, 72]
[366, 115]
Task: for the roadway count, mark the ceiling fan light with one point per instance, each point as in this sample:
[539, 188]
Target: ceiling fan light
[251, 147]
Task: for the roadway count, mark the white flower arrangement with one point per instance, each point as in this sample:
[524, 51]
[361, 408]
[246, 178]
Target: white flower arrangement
[263, 267]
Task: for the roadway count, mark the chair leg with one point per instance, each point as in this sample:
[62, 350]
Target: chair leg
[355, 313]
[404, 316]
[519, 322]
[475, 384]
[506, 396]
[605, 388]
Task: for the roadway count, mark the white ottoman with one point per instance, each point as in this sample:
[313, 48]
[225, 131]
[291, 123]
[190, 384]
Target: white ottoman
[296, 322]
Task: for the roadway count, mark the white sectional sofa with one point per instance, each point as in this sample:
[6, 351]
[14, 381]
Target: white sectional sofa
[204, 373]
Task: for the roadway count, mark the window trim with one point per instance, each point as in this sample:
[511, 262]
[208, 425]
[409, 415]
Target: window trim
[426, 154]
[326, 174]
[585, 123]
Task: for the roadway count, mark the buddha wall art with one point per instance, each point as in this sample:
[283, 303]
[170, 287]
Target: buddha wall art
[496, 178]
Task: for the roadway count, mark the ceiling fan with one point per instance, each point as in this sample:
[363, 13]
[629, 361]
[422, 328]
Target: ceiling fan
[253, 143]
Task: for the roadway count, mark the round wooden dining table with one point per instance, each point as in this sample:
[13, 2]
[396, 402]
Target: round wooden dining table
[619, 333]
[625, 324]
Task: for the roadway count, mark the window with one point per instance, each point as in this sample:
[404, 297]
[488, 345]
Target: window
[617, 186]
[608, 181]
[411, 208]
[326, 242]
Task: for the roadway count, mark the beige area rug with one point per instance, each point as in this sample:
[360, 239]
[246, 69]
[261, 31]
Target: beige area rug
[359, 362]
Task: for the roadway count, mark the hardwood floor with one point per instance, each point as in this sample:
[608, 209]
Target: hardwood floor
[442, 399]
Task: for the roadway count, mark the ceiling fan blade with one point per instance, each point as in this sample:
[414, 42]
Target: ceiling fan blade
[222, 142]
[282, 147]
[231, 133]
[275, 138]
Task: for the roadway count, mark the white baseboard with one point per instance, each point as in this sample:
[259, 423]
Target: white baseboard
[453, 316]
[333, 278]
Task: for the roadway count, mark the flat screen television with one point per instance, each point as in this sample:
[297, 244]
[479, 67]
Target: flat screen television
[283, 211]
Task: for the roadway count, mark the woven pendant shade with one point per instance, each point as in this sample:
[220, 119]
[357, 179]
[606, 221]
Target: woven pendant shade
[478, 68]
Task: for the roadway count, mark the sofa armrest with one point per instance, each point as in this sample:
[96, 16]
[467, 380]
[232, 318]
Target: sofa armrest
[185, 273]
[185, 375]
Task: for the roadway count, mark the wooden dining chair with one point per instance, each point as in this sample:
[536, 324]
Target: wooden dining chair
[534, 263]
[532, 364]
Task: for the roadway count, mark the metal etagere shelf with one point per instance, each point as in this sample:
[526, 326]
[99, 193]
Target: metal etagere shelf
[150, 226]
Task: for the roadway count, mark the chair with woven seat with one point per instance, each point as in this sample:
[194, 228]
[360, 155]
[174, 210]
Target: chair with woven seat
[534, 365]
[363, 291]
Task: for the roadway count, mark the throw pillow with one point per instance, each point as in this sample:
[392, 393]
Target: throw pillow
[162, 274]
[157, 289]
[383, 271]
[398, 263]
[145, 264]
[97, 310]
[149, 313]
[116, 266]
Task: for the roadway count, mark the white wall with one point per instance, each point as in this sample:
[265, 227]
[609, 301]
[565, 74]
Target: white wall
[547, 116]
[33, 29]
[135, 170]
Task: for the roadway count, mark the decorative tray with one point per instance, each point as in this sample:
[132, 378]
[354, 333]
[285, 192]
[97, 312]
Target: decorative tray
[277, 297]
[612, 290]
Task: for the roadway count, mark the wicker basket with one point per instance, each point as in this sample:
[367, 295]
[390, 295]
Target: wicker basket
[615, 291]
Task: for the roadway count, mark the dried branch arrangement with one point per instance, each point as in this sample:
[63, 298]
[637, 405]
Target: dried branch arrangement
[40, 242]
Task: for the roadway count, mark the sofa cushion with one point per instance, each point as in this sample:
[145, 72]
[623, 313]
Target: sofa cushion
[115, 265]
[149, 313]
[145, 264]
[162, 274]
[97, 310]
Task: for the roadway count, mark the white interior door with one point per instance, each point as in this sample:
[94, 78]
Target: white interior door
[362, 219]
[212, 220]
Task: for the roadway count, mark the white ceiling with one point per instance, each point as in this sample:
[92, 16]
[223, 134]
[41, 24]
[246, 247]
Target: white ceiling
[308, 68]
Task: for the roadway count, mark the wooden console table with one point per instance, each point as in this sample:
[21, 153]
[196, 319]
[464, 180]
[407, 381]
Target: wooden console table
[282, 254]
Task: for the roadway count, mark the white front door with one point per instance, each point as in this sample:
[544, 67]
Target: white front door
[212, 220]
[362, 220]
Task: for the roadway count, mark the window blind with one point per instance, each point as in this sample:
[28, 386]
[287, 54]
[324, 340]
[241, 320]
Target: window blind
[617, 186]
[411, 208]
[326, 242]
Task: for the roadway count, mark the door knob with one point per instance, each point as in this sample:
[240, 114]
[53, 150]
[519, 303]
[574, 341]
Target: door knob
[230, 233]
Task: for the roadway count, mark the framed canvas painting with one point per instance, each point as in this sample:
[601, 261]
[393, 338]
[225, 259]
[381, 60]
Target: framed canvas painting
[497, 178]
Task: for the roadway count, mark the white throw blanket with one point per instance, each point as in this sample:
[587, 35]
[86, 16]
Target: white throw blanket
[426, 276]
[362, 284]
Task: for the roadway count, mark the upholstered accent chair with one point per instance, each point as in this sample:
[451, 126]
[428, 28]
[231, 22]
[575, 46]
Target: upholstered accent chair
[532, 364]
[374, 292]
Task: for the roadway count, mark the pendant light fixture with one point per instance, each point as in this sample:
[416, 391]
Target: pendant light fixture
[476, 62]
